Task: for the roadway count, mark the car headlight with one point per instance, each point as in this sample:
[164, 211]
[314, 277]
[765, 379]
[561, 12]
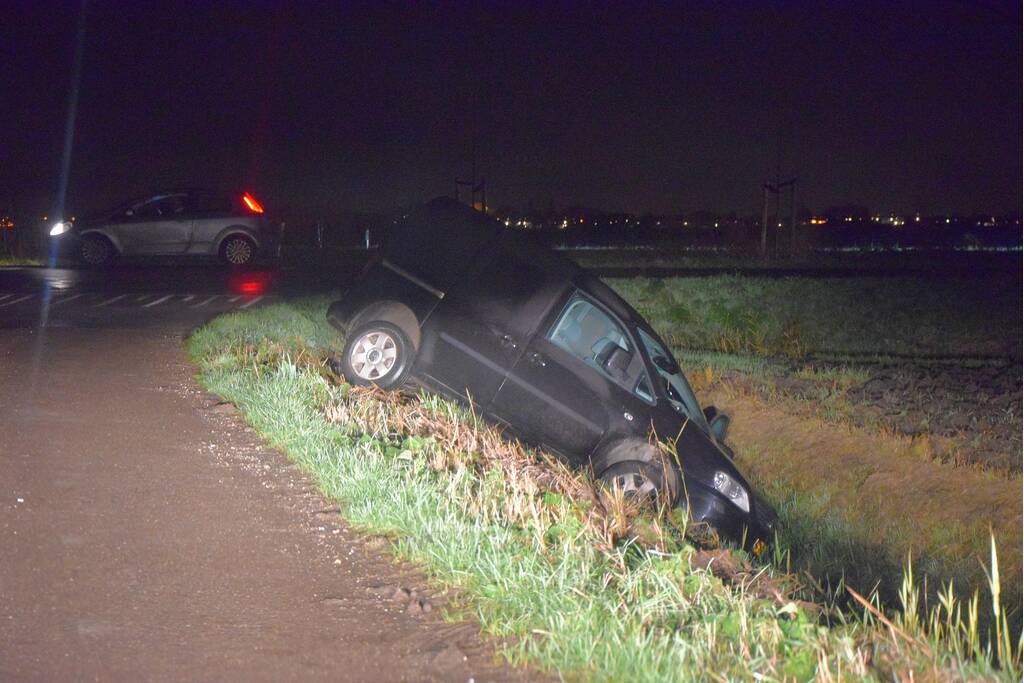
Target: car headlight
[733, 490]
[59, 228]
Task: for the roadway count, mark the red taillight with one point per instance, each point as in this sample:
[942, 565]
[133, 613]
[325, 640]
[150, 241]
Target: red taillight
[251, 202]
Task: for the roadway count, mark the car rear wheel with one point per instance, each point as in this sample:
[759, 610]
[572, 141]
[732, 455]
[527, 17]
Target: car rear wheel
[238, 250]
[644, 483]
[96, 251]
[377, 353]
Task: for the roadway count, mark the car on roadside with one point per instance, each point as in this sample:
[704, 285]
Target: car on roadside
[474, 311]
[230, 226]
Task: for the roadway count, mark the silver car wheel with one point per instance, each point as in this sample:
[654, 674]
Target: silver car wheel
[95, 252]
[373, 355]
[237, 251]
[635, 486]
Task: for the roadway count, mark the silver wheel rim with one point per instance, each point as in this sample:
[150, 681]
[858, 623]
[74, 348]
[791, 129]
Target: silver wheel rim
[237, 251]
[373, 355]
[93, 251]
[635, 486]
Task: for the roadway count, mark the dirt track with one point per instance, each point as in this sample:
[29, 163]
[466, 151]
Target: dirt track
[146, 534]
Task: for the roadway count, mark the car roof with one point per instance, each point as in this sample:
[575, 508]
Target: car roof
[441, 241]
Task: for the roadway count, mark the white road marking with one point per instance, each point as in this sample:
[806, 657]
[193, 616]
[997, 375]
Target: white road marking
[249, 303]
[110, 301]
[203, 303]
[5, 296]
[234, 299]
[188, 297]
[143, 297]
[18, 300]
[65, 300]
[158, 301]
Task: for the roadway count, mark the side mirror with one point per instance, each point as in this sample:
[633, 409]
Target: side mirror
[719, 426]
[614, 359]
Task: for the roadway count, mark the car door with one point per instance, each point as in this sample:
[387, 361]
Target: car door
[479, 329]
[160, 225]
[211, 212]
[560, 394]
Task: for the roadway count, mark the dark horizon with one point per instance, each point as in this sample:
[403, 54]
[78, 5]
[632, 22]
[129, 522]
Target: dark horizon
[907, 108]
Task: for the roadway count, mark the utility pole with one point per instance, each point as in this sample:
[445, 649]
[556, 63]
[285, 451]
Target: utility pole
[475, 187]
[792, 220]
[765, 188]
[775, 189]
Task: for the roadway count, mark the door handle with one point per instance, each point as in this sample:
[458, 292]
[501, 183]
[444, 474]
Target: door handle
[508, 342]
[538, 360]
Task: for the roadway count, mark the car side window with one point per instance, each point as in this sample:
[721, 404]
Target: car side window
[161, 208]
[588, 333]
[643, 389]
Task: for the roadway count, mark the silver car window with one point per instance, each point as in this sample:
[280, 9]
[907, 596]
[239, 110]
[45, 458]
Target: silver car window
[584, 330]
[677, 389]
[167, 206]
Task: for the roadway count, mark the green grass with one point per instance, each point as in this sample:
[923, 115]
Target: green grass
[11, 261]
[550, 570]
[794, 316]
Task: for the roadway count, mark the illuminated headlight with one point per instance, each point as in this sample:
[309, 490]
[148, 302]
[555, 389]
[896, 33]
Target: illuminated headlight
[733, 490]
[59, 228]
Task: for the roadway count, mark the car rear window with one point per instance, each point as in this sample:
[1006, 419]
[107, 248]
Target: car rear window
[212, 204]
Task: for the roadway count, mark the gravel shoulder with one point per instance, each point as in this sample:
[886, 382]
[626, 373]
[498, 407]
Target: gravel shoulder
[147, 533]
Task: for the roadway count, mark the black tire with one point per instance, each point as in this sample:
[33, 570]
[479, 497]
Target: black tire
[360, 364]
[96, 251]
[647, 483]
[238, 250]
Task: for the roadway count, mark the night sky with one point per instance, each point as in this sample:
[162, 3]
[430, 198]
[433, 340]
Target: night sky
[907, 107]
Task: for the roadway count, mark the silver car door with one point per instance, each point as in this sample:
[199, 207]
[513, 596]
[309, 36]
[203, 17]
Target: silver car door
[160, 225]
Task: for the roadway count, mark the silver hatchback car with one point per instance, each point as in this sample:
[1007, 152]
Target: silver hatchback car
[233, 227]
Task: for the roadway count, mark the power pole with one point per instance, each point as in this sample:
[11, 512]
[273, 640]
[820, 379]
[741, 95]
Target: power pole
[775, 189]
[764, 221]
[792, 220]
[475, 188]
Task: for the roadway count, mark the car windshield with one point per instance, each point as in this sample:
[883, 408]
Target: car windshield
[677, 389]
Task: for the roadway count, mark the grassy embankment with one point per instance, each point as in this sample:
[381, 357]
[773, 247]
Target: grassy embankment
[576, 582]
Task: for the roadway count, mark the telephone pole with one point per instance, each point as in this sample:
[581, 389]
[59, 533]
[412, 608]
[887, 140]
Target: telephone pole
[776, 189]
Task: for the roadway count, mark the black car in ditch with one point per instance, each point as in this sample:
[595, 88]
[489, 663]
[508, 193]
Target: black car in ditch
[474, 311]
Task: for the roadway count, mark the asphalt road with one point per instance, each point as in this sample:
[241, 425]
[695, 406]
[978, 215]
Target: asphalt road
[147, 534]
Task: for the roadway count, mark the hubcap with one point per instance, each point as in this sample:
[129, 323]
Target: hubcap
[373, 355]
[93, 251]
[237, 251]
[635, 486]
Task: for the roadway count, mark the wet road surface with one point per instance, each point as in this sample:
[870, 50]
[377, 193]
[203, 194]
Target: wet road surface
[145, 531]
